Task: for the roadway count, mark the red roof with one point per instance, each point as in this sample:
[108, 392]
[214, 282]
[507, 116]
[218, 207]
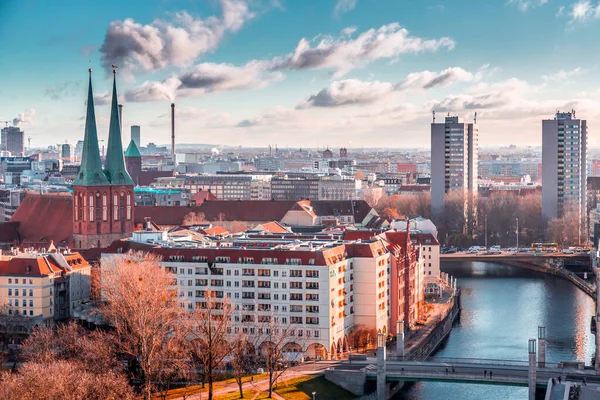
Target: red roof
[9, 232]
[202, 196]
[273, 227]
[39, 265]
[216, 231]
[45, 218]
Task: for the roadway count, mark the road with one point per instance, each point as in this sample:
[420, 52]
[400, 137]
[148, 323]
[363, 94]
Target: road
[309, 368]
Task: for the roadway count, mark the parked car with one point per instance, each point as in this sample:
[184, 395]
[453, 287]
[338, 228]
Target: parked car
[473, 250]
[494, 250]
[512, 250]
[567, 251]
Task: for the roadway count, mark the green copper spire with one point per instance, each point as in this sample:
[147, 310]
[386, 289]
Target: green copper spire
[114, 165]
[90, 172]
[132, 150]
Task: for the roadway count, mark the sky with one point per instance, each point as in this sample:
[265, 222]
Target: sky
[300, 73]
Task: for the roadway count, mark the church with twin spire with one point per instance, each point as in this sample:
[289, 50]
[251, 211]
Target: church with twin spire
[103, 202]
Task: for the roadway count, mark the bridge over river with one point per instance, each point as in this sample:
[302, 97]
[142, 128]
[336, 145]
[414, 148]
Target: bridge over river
[573, 267]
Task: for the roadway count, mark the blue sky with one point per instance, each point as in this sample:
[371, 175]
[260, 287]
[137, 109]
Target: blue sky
[300, 72]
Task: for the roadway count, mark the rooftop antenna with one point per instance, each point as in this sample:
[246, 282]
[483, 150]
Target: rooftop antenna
[6, 123]
[475, 120]
[433, 112]
[29, 140]
[448, 113]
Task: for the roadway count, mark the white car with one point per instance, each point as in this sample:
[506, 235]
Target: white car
[567, 251]
[473, 250]
[512, 249]
[494, 250]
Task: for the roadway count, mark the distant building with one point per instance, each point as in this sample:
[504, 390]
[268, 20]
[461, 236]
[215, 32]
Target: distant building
[79, 149]
[327, 153]
[284, 188]
[267, 164]
[343, 152]
[406, 168]
[564, 146]
[136, 135]
[13, 167]
[66, 152]
[12, 139]
[454, 161]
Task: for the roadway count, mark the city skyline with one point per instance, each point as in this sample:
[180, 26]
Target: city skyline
[251, 73]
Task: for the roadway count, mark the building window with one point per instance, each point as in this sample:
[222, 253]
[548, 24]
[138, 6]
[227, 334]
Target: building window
[104, 207]
[128, 206]
[91, 207]
[116, 207]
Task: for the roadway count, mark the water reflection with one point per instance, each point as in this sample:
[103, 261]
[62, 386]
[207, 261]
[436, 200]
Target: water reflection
[502, 308]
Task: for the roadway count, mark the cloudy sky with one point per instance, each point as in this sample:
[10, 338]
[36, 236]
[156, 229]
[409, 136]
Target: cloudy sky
[304, 73]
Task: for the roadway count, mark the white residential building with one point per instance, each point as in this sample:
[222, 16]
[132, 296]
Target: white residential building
[319, 288]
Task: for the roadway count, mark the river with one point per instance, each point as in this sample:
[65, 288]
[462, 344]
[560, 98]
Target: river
[502, 307]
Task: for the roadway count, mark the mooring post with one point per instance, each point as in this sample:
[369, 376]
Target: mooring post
[381, 384]
[532, 369]
[400, 339]
[541, 346]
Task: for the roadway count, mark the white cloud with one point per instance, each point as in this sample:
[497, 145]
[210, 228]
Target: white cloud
[205, 78]
[211, 77]
[429, 80]
[197, 117]
[162, 44]
[273, 117]
[349, 91]
[562, 76]
[27, 117]
[342, 54]
[344, 6]
[525, 5]
[584, 10]
[353, 91]
[154, 91]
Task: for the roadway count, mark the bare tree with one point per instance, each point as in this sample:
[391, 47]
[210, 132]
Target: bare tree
[63, 380]
[192, 218]
[70, 342]
[140, 303]
[275, 340]
[564, 230]
[362, 336]
[209, 326]
[243, 358]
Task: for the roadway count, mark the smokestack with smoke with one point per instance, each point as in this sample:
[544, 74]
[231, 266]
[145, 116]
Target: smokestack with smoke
[28, 117]
[173, 130]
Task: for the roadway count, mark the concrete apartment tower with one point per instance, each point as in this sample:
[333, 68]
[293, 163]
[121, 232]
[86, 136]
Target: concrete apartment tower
[136, 135]
[454, 158]
[564, 169]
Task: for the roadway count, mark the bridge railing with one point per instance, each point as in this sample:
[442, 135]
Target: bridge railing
[498, 377]
[478, 361]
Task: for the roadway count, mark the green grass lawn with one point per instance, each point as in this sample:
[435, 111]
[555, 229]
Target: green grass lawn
[302, 388]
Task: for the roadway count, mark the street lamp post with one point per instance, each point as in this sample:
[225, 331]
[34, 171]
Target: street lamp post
[517, 234]
[486, 231]
[314, 394]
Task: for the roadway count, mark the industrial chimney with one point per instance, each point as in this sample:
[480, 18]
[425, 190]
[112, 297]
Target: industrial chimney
[173, 129]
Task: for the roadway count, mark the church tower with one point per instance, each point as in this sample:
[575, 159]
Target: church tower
[103, 203]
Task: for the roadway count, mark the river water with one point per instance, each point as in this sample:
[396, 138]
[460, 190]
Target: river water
[502, 307]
